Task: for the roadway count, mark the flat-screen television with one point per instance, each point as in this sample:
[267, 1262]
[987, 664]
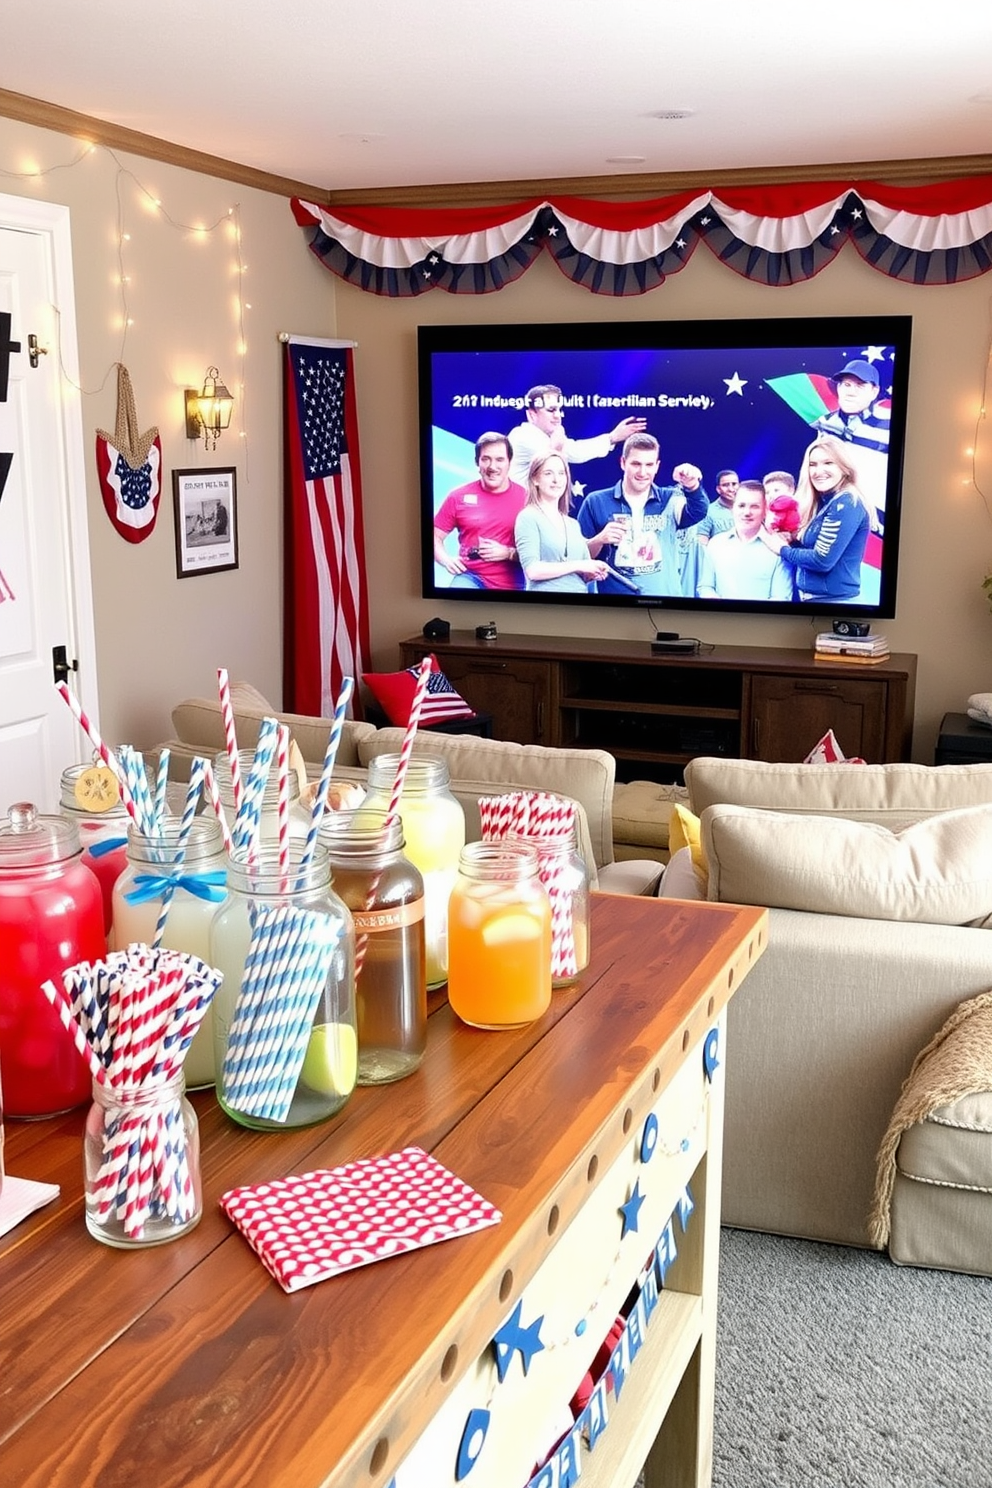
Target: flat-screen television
[742, 465]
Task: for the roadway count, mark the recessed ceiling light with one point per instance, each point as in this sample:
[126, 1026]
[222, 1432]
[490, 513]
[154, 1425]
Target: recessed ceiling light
[625, 159]
[672, 113]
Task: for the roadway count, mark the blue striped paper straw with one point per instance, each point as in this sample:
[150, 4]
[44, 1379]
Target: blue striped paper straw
[326, 769]
[193, 791]
[245, 831]
[161, 784]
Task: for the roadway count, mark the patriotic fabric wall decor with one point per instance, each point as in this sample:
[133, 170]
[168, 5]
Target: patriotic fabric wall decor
[326, 619]
[776, 235]
[129, 465]
[394, 691]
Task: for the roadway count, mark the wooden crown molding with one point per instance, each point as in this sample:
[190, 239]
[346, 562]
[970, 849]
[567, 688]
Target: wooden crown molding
[916, 172]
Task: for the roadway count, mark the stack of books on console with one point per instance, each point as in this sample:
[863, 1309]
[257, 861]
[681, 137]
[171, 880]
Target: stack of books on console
[868, 650]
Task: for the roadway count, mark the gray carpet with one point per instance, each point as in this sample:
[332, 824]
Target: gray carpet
[837, 1369]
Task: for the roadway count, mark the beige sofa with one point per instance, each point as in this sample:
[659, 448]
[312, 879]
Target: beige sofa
[879, 880]
[478, 767]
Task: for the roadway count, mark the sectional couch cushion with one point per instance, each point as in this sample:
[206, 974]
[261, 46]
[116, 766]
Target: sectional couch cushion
[892, 795]
[199, 725]
[936, 871]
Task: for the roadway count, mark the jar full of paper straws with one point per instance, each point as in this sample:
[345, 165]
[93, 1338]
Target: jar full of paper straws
[285, 1039]
[167, 1119]
[385, 894]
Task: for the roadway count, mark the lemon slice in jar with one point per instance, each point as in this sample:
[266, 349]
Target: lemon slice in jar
[96, 789]
[506, 928]
[330, 1064]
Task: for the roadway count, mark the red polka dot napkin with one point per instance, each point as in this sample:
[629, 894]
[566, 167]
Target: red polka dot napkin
[307, 1228]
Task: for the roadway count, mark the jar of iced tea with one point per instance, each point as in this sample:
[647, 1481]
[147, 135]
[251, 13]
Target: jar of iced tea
[286, 1046]
[499, 936]
[563, 872]
[385, 894]
[198, 888]
[91, 797]
[434, 833]
[51, 916]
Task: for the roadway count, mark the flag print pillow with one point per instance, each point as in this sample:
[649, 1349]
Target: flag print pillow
[394, 691]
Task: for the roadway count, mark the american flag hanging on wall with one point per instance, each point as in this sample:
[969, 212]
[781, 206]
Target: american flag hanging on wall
[326, 618]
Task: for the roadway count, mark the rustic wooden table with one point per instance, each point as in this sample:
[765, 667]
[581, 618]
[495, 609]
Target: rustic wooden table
[186, 1364]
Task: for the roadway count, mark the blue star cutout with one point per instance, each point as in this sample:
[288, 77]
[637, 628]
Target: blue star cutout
[631, 1209]
[512, 1337]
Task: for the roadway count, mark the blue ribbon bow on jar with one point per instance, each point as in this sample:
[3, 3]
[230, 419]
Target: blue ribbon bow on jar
[210, 886]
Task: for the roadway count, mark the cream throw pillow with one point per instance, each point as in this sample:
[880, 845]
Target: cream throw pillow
[937, 871]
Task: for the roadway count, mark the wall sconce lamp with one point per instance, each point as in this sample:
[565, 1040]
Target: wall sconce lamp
[209, 410]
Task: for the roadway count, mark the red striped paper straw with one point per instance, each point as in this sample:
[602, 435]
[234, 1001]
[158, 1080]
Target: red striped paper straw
[83, 1046]
[213, 795]
[282, 805]
[109, 759]
[406, 749]
[230, 737]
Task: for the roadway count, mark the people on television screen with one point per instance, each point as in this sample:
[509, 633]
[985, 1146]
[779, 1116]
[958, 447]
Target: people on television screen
[554, 554]
[482, 513]
[635, 526]
[543, 430]
[780, 498]
[720, 517]
[736, 564]
[861, 418]
[835, 520]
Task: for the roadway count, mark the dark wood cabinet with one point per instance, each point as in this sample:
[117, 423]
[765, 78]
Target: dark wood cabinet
[655, 712]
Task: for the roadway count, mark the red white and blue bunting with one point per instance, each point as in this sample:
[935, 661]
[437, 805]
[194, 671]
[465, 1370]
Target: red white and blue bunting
[775, 235]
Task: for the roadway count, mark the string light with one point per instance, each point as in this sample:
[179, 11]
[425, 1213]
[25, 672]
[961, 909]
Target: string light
[199, 233]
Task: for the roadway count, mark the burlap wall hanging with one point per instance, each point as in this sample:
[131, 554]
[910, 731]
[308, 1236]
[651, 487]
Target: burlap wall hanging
[130, 467]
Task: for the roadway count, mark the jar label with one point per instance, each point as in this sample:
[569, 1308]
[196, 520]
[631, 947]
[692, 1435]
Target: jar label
[397, 917]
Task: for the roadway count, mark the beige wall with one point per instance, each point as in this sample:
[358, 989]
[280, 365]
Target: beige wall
[160, 638]
[946, 544]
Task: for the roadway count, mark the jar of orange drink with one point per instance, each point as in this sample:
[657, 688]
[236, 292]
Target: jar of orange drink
[499, 936]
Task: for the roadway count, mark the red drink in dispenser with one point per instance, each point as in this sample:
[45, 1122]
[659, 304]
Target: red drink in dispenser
[51, 916]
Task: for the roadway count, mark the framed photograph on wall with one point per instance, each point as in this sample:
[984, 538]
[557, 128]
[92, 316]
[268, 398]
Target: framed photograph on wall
[206, 511]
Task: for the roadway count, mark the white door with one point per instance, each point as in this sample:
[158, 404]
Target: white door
[45, 593]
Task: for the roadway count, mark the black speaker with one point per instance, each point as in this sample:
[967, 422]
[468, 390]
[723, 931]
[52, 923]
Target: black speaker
[437, 630]
[857, 628]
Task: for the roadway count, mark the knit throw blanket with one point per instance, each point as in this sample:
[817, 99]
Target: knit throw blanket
[956, 1062]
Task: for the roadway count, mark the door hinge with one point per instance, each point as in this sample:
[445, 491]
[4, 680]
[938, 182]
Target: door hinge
[61, 665]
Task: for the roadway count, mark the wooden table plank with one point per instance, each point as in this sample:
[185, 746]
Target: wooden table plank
[187, 1364]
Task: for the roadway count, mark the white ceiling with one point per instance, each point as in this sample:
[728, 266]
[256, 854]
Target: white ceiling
[346, 94]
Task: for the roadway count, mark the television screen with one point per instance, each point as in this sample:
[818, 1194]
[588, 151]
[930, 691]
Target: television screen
[700, 465]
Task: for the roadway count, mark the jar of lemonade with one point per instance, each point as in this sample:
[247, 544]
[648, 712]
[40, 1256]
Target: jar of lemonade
[385, 894]
[51, 916]
[499, 936]
[200, 888]
[434, 833]
[91, 798]
[286, 1045]
[562, 870]
[268, 819]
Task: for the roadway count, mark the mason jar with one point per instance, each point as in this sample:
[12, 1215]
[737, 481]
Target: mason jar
[434, 833]
[385, 894]
[285, 1039]
[499, 936]
[141, 1164]
[268, 819]
[91, 797]
[563, 872]
[51, 917]
[200, 888]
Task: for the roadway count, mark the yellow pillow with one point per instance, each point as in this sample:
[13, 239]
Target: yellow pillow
[683, 831]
